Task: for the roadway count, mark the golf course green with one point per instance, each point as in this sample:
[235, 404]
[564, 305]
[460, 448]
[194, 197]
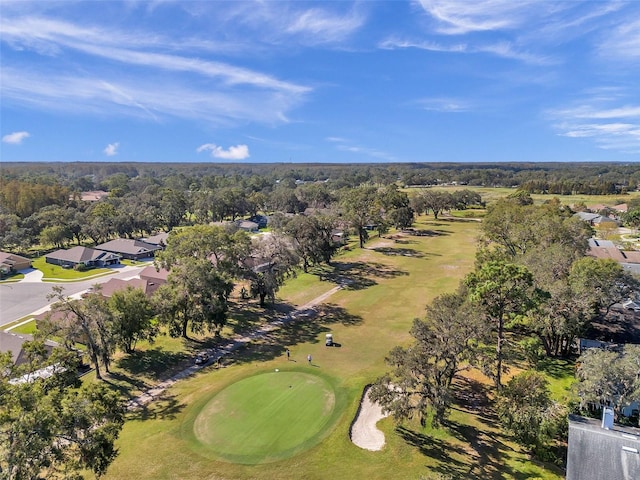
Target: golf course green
[266, 417]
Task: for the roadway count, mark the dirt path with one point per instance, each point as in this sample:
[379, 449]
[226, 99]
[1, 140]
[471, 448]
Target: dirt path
[364, 432]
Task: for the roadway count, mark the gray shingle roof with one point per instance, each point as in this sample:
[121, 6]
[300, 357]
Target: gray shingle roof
[596, 453]
[12, 342]
[130, 247]
[76, 254]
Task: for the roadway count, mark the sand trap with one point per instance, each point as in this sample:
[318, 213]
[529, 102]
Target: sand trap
[364, 433]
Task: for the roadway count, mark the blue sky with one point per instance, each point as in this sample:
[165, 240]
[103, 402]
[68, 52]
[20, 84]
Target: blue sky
[275, 81]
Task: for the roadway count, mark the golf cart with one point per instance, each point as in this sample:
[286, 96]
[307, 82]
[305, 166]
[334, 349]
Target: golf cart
[328, 340]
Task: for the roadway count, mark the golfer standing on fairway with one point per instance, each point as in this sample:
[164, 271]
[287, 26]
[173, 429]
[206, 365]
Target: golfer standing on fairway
[309, 359]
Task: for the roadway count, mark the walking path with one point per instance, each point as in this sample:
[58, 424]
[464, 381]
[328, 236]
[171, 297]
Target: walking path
[363, 432]
[304, 312]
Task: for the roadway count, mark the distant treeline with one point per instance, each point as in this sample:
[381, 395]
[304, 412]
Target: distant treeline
[552, 178]
[567, 187]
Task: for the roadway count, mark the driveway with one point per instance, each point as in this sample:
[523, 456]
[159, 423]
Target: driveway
[29, 295]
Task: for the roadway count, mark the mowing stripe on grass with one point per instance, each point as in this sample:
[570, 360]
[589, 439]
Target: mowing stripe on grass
[265, 417]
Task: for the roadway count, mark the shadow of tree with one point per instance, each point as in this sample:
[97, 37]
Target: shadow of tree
[557, 367]
[156, 363]
[471, 394]
[357, 275]
[395, 251]
[437, 449]
[272, 344]
[249, 315]
[165, 406]
[125, 384]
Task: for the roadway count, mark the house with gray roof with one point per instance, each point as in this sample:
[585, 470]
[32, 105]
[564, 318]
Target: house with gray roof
[131, 249]
[157, 239]
[597, 453]
[13, 343]
[247, 225]
[82, 255]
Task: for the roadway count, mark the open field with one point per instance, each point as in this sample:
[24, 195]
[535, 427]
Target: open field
[389, 284]
[490, 194]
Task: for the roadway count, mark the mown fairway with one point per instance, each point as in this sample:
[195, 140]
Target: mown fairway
[390, 283]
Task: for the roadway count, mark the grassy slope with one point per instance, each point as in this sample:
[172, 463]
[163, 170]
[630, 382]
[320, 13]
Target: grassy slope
[391, 285]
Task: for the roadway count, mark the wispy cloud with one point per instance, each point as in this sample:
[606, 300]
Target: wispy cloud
[294, 23]
[502, 49]
[15, 138]
[234, 152]
[445, 105]
[111, 149]
[622, 42]
[345, 145]
[141, 97]
[610, 127]
[320, 26]
[191, 87]
[457, 17]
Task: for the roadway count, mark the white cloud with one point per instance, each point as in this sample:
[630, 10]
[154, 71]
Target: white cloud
[162, 84]
[345, 145]
[324, 26]
[445, 105]
[293, 23]
[622, 42]
[234, 152]
[141, 97]
[611, 127]
[15, 138]
[111, 149]
[463, 16]
[502, 49]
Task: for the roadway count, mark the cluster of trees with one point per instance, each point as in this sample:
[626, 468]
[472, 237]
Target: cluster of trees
[88, 176]
[53, 427]
[438, 201]
[533, 290]
[573, 187]
[40, 202]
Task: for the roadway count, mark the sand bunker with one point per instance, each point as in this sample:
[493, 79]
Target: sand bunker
[364, 433]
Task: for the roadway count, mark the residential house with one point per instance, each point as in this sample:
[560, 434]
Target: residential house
[108, 288]
[247, 225]
[607, 249]
[11, 263]
[13, 343]
[159, 239]
[596, 453]
[131, 249]
[82, 255]
[261, 220]
[595, 219]
[156, 275]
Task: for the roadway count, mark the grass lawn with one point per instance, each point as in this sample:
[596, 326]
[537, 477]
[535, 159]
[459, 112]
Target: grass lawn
[490, 194]
[13, 278]
[266, 417]
[55, 272]
[389, 284]
[28, 328]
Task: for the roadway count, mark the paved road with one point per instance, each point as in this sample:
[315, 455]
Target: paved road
[26, 297]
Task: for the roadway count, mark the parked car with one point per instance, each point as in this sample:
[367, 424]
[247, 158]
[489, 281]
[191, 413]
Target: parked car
[202, 358]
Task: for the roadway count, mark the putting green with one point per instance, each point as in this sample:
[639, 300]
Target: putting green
[266, 417]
